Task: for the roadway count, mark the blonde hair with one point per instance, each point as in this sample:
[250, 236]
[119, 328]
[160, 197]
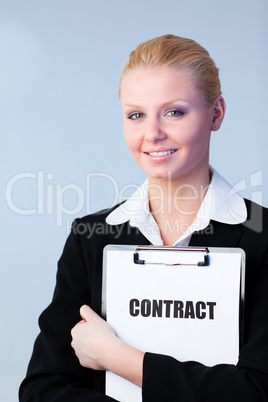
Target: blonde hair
[174, 52]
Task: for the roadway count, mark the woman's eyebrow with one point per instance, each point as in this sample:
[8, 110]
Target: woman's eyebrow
[171, 102]
[130, 105]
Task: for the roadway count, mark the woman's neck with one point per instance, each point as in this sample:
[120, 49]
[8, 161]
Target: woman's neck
[174, 203]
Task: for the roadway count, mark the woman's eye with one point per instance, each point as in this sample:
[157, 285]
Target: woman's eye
[174, 113]
[135, 116]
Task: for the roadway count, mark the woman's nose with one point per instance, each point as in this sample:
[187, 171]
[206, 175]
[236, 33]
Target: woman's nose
[154, 131]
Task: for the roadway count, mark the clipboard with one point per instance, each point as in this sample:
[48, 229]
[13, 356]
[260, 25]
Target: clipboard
[185, 302]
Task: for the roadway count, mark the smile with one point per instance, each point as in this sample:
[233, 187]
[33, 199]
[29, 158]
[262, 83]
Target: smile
[161, 153]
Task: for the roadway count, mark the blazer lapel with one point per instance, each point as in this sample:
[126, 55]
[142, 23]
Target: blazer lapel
[217, 235]
[125, 234]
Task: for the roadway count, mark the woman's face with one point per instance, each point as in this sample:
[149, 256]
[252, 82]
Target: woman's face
[167, 124]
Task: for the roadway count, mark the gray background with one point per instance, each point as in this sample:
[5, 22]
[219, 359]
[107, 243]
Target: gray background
[60, 122]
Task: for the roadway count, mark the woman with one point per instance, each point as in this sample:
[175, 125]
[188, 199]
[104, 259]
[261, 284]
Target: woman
[171, 100]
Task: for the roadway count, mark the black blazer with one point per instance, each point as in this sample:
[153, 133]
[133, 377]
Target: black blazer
[54, 373]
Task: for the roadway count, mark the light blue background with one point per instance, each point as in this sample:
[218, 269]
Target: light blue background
[60, 62]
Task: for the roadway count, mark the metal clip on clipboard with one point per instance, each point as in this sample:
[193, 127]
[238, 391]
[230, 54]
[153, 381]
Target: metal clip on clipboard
[177, 249]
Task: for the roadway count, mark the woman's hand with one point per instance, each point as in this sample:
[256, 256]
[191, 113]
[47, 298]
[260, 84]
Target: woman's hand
[97, 347]
[91, 338]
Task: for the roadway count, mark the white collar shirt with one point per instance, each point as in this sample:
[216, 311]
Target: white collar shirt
[221, 203]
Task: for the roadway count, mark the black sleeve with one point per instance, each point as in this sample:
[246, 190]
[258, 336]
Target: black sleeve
[166, 379]
[54, 373]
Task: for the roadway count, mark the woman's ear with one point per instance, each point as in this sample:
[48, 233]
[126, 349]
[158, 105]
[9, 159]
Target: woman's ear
[218, 113]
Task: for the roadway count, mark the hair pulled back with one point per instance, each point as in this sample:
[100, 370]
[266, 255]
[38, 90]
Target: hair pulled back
[182, 54]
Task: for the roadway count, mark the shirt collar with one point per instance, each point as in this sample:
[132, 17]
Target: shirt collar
[227, 205]
[134, 209]
[221, 203]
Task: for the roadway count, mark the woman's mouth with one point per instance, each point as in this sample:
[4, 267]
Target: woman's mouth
[161, 153]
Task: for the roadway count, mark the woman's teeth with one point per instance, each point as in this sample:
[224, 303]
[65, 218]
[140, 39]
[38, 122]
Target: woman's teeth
[162, 153]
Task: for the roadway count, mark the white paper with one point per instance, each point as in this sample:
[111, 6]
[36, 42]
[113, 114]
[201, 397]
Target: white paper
[209, 296]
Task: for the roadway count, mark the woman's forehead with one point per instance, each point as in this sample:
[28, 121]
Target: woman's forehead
[160, 82]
